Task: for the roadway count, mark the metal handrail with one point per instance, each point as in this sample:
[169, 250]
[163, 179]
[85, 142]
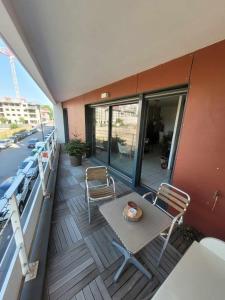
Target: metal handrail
[19, 178]
[27, 269]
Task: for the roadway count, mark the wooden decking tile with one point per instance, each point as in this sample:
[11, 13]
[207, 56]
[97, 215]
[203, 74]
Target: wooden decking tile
[105, 255]
[65, 232]
[82, 260]
[95, 290]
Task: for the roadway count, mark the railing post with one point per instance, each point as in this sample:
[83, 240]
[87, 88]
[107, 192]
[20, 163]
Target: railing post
[53, 144]
[28, 270]
[54, 141]
[41, 172]
[49, 155]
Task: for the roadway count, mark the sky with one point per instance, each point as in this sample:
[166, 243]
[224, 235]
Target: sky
[28, 88]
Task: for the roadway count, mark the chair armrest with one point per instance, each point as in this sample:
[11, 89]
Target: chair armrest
[152, 196]
[113, 183]
[178, 218]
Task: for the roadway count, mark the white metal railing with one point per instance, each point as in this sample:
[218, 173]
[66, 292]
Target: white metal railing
[14, 264]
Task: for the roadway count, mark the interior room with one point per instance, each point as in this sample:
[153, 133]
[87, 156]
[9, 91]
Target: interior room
[162, 129]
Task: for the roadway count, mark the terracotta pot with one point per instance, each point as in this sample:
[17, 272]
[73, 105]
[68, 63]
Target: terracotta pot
[76, 160]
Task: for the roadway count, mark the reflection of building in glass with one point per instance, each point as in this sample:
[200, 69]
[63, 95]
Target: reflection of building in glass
[124, 114]
[101, 115]
[45, 116]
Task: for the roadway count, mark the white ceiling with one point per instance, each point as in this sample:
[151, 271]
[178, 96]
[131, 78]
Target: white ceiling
[80, 45]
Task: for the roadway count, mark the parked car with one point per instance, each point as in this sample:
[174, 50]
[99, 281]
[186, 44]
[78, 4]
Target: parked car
[39, 145]
[47, 135]
[4, 144]
[13, 139]
[31, 143]
[29, 132]
[21, 196]
[34, 130]
[33, 171]
[33, 151]
[21, 135]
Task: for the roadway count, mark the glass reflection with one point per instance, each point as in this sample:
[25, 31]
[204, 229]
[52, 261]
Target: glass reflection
[101, 124]
[123, 140]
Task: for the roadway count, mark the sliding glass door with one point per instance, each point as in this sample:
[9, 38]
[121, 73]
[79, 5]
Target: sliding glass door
[123, 137]
[101, 131]
[115, 129]
[164, 115]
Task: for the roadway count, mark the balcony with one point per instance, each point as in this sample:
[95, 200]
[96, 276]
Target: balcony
[172, 80]
[81, 259]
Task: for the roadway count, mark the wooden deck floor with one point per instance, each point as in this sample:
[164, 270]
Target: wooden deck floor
[81, 258]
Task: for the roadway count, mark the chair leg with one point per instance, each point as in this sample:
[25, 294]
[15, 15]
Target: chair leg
[128, 258]
[165, 243]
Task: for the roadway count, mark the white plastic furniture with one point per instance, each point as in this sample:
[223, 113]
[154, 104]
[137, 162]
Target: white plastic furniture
[125, 150]
[215, 245]
[199, 275]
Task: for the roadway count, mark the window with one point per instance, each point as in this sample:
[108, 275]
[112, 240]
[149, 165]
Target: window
[114, 129]
[101, 124]
[123, 140]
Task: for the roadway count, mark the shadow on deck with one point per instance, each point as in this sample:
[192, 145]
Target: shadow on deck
[81, 258]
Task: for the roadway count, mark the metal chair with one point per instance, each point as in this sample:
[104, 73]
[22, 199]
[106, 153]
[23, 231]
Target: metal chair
[176, 202]
[99, 186]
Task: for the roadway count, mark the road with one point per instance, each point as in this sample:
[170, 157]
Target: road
[9, 161]
[11, 157]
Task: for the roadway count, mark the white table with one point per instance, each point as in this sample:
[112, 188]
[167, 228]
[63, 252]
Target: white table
[134, 235]
[199, 275]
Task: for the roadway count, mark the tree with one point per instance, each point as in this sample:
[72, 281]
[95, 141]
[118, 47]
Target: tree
[22, 120]
[3, 120]
[13, 126]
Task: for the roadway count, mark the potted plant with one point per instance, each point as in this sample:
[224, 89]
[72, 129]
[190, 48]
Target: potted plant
[76, 149]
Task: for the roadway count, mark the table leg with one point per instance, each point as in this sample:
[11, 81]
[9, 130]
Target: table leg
[128, 258]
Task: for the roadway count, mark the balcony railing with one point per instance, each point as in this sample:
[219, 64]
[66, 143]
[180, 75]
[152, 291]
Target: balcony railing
[19, 231]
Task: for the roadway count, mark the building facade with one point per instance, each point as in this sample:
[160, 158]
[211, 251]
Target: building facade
[19, 111]
[176, 134]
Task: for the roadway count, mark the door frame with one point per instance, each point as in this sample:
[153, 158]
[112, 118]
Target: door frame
[178, 124]
[142, 100]
[66, 124]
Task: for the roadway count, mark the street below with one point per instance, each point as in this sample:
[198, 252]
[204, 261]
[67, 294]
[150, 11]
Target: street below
[11, 157]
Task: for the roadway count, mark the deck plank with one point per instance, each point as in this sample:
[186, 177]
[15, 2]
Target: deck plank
[82, 260]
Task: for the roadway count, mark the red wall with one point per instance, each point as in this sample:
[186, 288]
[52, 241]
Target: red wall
[200, 163]
[173, 73]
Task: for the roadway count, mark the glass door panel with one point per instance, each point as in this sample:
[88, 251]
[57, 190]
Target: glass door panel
[162, 130]
[101, 129]
[123, 137]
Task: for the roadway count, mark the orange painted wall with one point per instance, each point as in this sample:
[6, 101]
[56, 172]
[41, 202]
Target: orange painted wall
[200, 162]
[173, 73]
